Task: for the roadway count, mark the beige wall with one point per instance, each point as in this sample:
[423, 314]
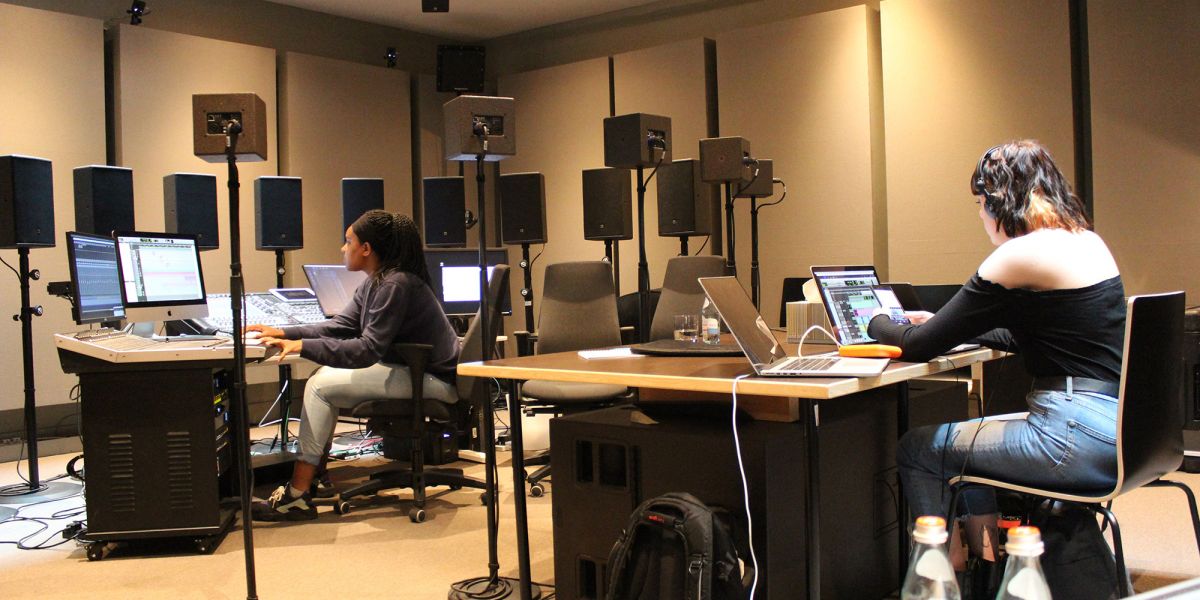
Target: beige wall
[668, 80]
[809, 111]
[52, 107]
[952, 88]
[560, 114]
[1145, 71]
[340, 119]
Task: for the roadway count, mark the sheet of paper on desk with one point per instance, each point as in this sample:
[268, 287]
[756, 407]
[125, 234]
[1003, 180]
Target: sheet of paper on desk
[624, 352]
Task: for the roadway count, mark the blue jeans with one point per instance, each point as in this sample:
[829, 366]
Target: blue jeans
[1065, 442]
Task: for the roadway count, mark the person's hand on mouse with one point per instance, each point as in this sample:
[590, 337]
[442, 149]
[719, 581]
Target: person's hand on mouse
[285, 347]
[264, 331]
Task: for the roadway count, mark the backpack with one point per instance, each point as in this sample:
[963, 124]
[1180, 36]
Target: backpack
[675, 547]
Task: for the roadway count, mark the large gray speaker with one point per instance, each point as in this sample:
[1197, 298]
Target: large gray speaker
[462, 115]
[26, 202]
[684, 201]
[607, 205]
[723, 159]
[760, 185]
[211, 113]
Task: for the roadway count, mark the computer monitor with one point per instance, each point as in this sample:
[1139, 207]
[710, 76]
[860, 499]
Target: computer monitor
[455, 277]
[95, 278]
[161, 278]
[334, 286]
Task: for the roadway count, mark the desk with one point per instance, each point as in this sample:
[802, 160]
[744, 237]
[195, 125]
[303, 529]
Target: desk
[790, 399]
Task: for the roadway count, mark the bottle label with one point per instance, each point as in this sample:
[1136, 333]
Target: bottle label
[935, 566]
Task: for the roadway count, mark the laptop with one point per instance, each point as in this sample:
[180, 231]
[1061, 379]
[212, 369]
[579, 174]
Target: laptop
[758, 343]
[334, 286]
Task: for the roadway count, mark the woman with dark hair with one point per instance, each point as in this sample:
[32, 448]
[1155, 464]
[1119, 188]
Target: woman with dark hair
[1051, 292]
[394, 304]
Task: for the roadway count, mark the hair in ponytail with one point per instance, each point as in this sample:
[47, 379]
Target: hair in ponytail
[395, 239]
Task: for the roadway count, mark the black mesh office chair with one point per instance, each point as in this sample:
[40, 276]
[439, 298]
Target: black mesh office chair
[681, 293]
[1149, 419]
[430, 405]
[579, 312]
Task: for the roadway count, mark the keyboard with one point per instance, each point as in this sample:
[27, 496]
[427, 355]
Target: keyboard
[808, 364]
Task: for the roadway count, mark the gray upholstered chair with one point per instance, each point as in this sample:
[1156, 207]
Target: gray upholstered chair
[1149, 419]
[681, 293]
[432, 404]
[579, 312]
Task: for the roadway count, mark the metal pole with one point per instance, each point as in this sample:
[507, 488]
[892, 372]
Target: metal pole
[643, 268]
[754, 280]
[285, 372]
[730, 261]
[26, 318]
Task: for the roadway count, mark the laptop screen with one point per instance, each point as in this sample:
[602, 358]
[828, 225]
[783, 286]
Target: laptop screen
[334, 286]
[747, 326]
[849, 300]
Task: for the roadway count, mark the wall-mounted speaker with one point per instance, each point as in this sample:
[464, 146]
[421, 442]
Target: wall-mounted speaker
[445, 209]
[26, 202]
[464, 118]
[761, 183]
[360, 194]
[278, 214]
[211, 113]
[103, 199]
[190, 206]
[523, 208]
[723, 159]
[684, 201]
[607, 205]
[637, 140]
[460, 68]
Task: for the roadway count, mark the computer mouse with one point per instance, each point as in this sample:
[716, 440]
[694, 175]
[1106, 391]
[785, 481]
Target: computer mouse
[253, 335]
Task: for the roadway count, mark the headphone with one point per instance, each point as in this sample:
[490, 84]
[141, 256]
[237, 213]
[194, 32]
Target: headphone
[979, 187]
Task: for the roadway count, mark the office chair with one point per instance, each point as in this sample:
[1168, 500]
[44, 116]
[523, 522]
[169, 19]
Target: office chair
[793, 291]
[627, 314]
[1149, 420]
[681, 293]
[432, 402]
[579, 312]
[934, 296]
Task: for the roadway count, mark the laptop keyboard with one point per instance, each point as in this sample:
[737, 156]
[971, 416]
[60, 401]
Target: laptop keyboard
[808, 364]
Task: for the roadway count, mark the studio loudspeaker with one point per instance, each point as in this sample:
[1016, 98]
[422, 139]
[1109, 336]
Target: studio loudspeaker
[103, 199]
[723, 159]
[685, 202]
[278, 216]
[637, 140]
[460, 68]
[461, 116]
[190, 206]
[358, 196]
[760, 185]
[607, 205]
[26, 202]
[523, 208]
[211, 113]
[445, 210]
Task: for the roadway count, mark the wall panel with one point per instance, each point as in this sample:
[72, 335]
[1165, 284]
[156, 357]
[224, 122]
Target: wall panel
[52, 107]
[960, 76]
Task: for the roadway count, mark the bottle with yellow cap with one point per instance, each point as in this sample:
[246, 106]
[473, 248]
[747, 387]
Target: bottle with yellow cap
[1023, 576]
[930, 575]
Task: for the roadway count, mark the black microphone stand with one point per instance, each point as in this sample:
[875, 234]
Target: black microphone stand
[527, 290]
[643, 268]
[730, 261]
[285, 373]
[238, 378]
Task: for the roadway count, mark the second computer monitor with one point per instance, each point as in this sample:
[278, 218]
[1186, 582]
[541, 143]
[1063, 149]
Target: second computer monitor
[95, 278]
[455, 277]
[161, 278]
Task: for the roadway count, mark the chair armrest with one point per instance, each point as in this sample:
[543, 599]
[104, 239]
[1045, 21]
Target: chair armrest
[628, 334]
[525, 342]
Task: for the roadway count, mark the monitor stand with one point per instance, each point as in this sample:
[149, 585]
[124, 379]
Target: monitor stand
[145, 329]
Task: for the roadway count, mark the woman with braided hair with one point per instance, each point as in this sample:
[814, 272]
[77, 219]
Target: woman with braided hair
[394, 304]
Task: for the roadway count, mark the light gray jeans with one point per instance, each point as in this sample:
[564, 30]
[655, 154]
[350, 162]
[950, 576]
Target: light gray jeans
[330, 389]
[1065, 442]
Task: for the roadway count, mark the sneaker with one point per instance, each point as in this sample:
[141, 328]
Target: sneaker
[281, 506]
[322, 488]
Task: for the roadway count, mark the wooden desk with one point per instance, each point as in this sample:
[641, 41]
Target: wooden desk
[798, 397]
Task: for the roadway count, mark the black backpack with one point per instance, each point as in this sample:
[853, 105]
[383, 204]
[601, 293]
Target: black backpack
[675, 547]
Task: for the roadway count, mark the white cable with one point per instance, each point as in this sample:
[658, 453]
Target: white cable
[737, 445]
[810, 330]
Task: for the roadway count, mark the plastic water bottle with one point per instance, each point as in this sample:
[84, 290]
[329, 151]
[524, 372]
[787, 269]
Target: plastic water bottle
[710, 323]
[1023, 576]
[930, 575]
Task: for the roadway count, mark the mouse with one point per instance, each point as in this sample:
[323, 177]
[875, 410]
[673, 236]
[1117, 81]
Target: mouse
[253, 335]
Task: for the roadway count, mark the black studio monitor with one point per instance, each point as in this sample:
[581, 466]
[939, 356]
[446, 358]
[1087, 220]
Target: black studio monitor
[523, 208]
[278, 220]
[26, 202]
[761, 184]
[460, 69]
[607, 205]
[359, 195]
[190, 206]
[684, 201]
[445, 209]
[103, 199]
[637, 140]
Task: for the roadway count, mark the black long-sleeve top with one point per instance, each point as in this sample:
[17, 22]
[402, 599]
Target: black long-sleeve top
[398, 307]
[1078, 332]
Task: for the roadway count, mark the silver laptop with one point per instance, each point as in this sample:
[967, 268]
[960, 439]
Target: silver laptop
[334, 286]
[765, 353]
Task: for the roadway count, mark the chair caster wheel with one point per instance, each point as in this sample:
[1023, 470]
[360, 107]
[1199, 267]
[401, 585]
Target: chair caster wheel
[96, 550]
[455, 488]
[537, 490]
[416, 515]
[341, 507]
[483, 498]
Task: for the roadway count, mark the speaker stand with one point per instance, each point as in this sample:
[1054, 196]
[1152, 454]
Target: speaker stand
[35, 490]
[643, 268]
[754, 282]
[730, 260]
[527, 291]
[683, 245]
[241, 413]
[285, 372]
[612, 253]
